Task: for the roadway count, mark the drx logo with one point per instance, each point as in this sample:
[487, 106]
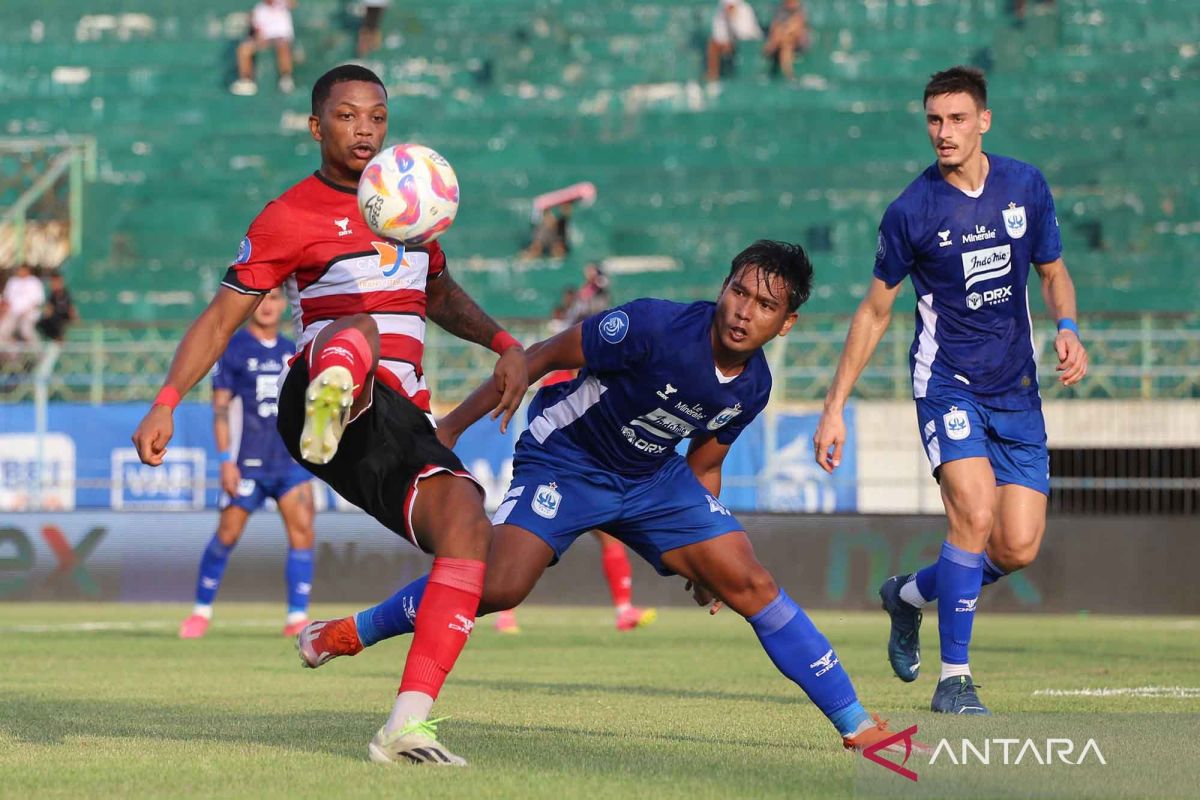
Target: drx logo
[18, 559]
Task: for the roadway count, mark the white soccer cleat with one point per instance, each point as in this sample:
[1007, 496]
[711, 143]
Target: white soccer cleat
[327, 404]
[415, 743]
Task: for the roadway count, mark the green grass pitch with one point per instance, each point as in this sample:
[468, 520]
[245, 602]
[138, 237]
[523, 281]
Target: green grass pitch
[687, 708]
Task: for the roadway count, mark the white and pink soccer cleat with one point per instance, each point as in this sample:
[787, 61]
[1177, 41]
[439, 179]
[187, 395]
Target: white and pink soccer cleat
[194, 627]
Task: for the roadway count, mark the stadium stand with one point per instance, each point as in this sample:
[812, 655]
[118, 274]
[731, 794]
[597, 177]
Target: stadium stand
[528, 95]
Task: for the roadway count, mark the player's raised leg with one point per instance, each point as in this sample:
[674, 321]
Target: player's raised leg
[296, 509]
[230, 526]
[619, 575]
[969, 495]
[344, 354]
[727, 566]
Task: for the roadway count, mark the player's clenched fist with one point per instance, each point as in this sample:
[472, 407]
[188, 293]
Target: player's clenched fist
[831, 434]
[512, 379]
[152, 435]
[1072, 357]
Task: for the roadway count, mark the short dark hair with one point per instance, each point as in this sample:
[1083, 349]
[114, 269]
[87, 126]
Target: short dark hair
[968, 80]
[341, 74]
[787, 260]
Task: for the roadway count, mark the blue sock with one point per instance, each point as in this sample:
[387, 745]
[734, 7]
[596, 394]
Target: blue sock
[212, 568]
[926, 577]
[803, 654]
[393, 617]
[299, 574]
[959, 576]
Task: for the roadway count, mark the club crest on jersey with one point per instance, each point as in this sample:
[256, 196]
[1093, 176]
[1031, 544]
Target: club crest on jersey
[546, 500]
[614, 326]
[722, 418]
[1014, 220]
[958, 426]
[391, 257]
[243, 253]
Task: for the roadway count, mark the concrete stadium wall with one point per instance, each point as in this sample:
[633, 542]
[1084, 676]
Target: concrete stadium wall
[1105, 565]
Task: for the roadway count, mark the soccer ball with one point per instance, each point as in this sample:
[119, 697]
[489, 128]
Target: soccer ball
[408, 193]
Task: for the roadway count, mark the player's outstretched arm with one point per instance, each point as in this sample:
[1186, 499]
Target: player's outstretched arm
[1058, 290]
[455, 312]
[199, 349]
[866, 329]
[562, 351]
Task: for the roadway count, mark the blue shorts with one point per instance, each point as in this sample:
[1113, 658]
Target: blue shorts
[253, 492]
[959, 426]
[559, 502]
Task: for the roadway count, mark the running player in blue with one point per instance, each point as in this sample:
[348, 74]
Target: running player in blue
[966, 231]
[245, 385]
[599, 452]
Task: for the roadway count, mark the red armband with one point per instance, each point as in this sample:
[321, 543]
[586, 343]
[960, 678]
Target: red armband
[167, 396]
[502, 341]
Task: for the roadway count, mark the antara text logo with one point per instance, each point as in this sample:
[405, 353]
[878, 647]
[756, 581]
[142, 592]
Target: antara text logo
[1048, 752]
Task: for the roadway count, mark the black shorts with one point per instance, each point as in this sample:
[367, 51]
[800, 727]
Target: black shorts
[384, 453]
[371, 18]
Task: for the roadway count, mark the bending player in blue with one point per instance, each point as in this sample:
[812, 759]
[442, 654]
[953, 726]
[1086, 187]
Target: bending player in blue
[599, 452]
[966, 232]
[245, 381]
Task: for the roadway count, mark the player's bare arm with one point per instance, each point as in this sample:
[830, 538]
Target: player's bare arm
[562, 351]
[1058, 290]
[705, 458]
[200, 348]
[866, 329]
[230, 475]
[455, 312]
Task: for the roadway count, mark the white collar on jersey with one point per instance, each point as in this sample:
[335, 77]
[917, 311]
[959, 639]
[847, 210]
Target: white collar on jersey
[724, 378]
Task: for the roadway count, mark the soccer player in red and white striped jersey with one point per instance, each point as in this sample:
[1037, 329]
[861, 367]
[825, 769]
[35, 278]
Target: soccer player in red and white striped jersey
[354, 405]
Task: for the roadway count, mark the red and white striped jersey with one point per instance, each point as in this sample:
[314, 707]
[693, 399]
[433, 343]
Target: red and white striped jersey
[313, 240]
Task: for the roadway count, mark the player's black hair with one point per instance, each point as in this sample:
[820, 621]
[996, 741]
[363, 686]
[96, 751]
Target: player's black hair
[342, 74]
[968, 80]
[787, 260]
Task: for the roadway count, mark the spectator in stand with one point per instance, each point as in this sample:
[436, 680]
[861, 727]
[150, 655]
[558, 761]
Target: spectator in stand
[560, 318]
[270, 27]
[24, 296]
[733, 22]
[59, 311]
[370, 38]
[550, 235]
[787, 35]
[593, 297]
[1018, 7]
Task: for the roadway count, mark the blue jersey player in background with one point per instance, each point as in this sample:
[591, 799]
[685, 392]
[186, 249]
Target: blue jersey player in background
[600, 452]
[966, 231]
[246, 378]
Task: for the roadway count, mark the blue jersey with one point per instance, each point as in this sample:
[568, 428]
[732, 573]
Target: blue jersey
[969, 260]
[649, 381]
[250, 369]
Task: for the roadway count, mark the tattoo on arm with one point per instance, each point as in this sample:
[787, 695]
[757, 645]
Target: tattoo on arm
[454, 311]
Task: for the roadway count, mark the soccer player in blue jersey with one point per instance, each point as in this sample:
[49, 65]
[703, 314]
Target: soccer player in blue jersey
[244, 387]
[599, 452]
[966, 231]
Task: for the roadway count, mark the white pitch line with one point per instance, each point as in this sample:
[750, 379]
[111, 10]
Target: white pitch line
[1178, 692]
[93, 627]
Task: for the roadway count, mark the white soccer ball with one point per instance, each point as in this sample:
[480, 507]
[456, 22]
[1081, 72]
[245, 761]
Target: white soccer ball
[408, 193]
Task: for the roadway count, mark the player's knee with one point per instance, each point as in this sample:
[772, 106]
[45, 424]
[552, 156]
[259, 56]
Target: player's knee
[1011, 558]
[978, 521]
[749, 592]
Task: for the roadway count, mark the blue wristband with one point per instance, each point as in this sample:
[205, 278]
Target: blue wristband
[224, 456]
[1068, 324]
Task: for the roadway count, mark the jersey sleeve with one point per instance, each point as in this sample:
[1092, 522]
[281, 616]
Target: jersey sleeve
[267, 255]
[893, 253]
[620, 338]
[437, 260]
[223, 376]
[1047, 242]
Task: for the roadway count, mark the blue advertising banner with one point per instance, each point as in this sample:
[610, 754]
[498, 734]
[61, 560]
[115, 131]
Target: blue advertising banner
[88, 461]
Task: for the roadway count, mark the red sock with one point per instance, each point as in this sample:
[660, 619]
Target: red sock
[444, 621]
[618, 573]
[347, 348]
